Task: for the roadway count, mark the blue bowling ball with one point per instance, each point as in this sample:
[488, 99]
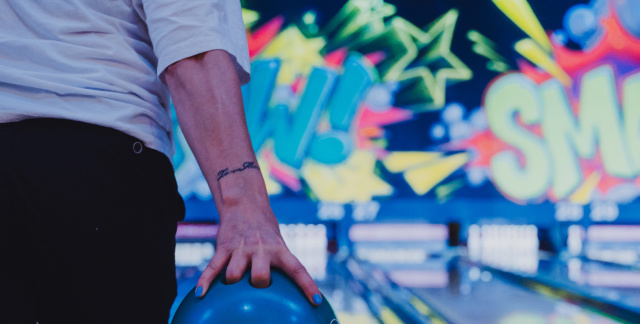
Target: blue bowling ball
[282, 302]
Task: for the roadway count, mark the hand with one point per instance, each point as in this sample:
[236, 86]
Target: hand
[255, 241]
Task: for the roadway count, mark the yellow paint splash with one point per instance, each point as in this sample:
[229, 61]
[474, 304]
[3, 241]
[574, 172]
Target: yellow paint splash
[401, 161]
[520, 12]
[424, 178]
[535, 54]
[583, 194]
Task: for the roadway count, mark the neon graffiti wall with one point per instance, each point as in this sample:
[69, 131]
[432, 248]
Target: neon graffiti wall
[523, 102]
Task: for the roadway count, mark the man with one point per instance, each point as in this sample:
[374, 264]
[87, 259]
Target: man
[88, 201]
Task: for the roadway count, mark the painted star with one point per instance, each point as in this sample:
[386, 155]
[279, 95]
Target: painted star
[421, 59]
[297, 53]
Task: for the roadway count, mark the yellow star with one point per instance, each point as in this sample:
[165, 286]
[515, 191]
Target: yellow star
[297, 53]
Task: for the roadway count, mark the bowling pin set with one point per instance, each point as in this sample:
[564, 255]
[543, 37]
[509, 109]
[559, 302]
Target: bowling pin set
[398, 243]
[194, 254]
[610, 243]
[506, 247]
[308, 242]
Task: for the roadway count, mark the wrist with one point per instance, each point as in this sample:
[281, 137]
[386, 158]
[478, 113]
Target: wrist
[247, 213]
[244, 198]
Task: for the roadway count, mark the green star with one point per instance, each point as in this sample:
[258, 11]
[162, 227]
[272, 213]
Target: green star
[421, 59]
[439, 66]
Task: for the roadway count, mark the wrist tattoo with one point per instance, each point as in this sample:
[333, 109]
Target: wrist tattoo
[247, 165]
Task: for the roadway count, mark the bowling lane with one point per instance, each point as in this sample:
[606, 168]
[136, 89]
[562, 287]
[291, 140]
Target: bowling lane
[349, 301]
[614, 283]
[460, 292]
[607, 287]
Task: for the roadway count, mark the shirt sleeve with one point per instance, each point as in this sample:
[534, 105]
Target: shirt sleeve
[181, 29]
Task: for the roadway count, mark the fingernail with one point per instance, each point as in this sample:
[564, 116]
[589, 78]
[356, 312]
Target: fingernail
[317, 299]
[199, 291]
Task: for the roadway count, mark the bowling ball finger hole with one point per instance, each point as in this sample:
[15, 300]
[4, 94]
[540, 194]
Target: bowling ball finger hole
[226, 283]
[254, 286]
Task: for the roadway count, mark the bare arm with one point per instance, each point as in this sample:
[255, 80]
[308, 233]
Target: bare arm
[208, 101]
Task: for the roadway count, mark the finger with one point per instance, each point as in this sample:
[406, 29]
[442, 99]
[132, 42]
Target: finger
[214, 267]
[237, 265]
[296, 270]
[260, 271]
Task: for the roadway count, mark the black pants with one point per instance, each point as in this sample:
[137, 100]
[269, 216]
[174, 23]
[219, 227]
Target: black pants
[87, 225]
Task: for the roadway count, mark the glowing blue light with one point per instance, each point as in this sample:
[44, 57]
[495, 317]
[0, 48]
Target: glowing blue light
[580, 23]
[452, 113]
[438, 131]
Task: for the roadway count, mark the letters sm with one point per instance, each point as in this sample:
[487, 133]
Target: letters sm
[536, 164]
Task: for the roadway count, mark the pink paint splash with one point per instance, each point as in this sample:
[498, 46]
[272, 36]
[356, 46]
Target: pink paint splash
[282, 173]
[336, 58]
[261, 37]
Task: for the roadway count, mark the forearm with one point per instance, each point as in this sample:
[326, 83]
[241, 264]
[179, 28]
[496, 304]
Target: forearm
[206, 94]
[208, 102]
